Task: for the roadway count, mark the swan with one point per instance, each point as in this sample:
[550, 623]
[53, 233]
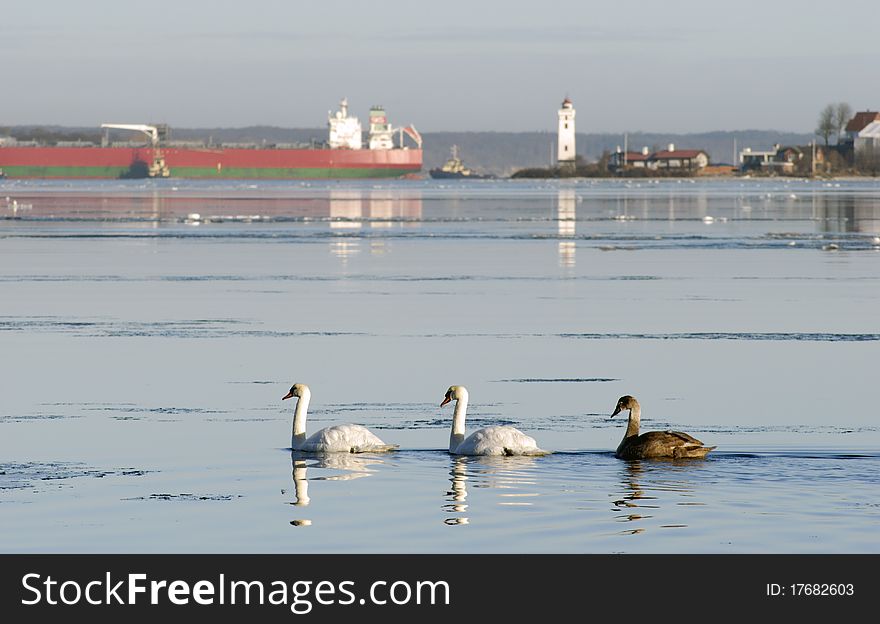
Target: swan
[499, 440]
[674, 444]
[336, 439]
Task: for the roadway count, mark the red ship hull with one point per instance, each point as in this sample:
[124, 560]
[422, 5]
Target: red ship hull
[206, 163]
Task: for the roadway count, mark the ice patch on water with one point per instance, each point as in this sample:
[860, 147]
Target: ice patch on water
[37, 475]
[774, 336]
[185, 497]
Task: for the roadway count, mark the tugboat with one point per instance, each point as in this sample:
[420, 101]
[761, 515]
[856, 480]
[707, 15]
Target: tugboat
[455, 169]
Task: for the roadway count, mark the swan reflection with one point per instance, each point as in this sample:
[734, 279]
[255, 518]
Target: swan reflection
[458, 494]
[351, 467]
[634, 498]
[501, 473]
[662, 477]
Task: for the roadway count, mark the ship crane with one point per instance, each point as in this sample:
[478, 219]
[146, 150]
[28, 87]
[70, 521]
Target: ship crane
[157, 169]
[150, 131]
[412, 133]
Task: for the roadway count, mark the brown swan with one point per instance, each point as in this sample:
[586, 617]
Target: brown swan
[672, 444]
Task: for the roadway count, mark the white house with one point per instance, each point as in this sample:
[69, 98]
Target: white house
[859, 122]
[868, 139]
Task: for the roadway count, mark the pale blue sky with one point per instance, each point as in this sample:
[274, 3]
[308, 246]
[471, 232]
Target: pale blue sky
[670, 66]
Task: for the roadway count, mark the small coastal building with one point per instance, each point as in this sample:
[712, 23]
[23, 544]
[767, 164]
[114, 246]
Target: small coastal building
[867, 141]
[671, 158]
[781, 159]
[668, 159]
[787, 158]
[565, 149]
[859, 122]
[620, 159]
[750, 159]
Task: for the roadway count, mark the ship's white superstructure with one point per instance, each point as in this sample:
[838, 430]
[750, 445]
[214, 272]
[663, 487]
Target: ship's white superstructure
[380, 129]
[345, 131]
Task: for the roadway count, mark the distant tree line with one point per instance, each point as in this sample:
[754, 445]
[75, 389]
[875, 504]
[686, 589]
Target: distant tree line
[49, 135]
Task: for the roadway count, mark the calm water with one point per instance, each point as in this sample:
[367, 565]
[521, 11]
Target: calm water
[149, 330]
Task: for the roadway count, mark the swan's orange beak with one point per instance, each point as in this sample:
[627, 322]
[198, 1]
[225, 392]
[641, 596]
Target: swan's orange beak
[288, 395]
[446, 400]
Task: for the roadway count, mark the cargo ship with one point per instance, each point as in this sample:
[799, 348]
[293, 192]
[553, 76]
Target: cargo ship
[344, 155]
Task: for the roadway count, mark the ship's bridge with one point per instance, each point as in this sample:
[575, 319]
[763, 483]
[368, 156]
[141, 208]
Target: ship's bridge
[345, 131]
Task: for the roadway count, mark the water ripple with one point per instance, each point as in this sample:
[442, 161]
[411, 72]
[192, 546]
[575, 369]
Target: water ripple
[776, 336]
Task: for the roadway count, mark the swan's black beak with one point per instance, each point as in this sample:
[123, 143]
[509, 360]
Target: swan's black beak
[617, 410]
[288, 395]
[446, 399]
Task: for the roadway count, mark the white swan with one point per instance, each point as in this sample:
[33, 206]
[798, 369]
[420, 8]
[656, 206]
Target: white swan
[336, 439]
[498, 440]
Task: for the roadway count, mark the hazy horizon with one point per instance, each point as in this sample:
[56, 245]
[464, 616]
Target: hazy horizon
[456, 67]
[323, 129]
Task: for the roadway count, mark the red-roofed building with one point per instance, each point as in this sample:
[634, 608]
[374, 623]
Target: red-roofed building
[670, 158]
[859, 122]
[867, 144]
[620, 159]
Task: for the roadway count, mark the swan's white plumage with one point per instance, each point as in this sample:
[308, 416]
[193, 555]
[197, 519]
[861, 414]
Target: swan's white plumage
[497, 440]
[343, 439]
[335, 439]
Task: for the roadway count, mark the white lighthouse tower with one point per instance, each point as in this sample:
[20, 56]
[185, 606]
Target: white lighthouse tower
[565, 153]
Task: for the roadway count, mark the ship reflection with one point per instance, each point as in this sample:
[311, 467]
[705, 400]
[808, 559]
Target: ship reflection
[346, 210]
[351, 210]
[345, 248]
[349, 467]
[512, 474]
[566, 215]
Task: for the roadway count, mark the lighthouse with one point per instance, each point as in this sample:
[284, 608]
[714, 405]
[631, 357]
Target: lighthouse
[565, 145]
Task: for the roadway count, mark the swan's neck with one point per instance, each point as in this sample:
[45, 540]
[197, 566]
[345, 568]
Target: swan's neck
[298, 437]
[632, 427]
[456, 437]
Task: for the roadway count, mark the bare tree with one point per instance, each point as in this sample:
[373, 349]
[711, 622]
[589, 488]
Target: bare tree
[826, 125]
[842, 114]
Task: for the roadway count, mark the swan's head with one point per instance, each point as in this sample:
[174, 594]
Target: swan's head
[454, 393]
[296, 390]
[626, 402]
